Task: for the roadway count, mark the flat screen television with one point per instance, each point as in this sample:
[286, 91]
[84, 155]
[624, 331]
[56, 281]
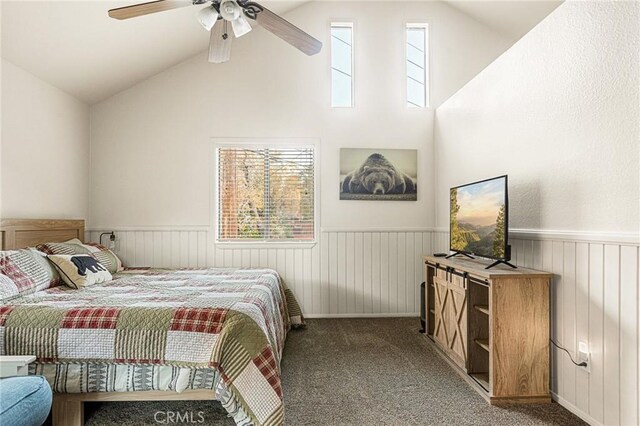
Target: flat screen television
[479, 219]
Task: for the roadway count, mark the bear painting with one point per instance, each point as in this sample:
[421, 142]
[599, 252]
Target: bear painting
[388, 174]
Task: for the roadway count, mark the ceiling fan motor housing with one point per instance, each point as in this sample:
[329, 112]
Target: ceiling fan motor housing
[229, 10]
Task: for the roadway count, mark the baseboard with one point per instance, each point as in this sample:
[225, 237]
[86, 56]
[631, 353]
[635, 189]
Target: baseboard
[379, 315]
[575, 410]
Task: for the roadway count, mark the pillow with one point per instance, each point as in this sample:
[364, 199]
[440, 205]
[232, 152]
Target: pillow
[80, 270]
[23, 272]
[105, 256]
[8, 289]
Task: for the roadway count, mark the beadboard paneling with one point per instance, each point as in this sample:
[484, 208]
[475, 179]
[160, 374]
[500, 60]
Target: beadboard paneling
[363, 273]
[160, 247]
[594, 299]
[376, 273]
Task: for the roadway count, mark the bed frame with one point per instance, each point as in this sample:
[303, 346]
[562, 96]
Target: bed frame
[68, 408]
[21, 233]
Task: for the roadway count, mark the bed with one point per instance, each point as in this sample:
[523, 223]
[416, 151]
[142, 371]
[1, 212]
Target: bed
[153, 334]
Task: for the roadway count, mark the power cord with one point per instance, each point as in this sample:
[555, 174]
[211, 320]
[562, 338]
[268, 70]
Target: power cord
[582, 364]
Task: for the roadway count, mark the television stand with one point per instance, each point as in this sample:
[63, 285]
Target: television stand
[498, 262]
[461, 253]
[491, 325]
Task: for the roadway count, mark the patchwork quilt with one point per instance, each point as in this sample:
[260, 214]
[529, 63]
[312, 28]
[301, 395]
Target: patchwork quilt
[222, 329]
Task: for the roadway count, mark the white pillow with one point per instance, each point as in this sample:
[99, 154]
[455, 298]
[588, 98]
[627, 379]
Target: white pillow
[8, 289]
[80, 270]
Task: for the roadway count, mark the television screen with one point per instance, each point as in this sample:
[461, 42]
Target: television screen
[479, 218]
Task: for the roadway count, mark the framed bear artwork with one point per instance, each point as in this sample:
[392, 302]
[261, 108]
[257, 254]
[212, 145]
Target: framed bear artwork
[378, 174]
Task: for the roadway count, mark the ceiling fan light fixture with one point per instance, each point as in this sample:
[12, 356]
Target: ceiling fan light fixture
[229, 10]
[208, 17]
[240, 26]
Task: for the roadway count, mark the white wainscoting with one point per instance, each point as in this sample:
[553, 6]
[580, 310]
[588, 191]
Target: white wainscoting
[364, 273]
[376, 273]
[594, 298]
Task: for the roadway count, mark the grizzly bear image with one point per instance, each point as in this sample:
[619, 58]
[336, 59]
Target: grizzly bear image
[378, 176]
[87, 263]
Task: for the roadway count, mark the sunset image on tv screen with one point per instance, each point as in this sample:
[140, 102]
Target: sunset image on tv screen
[478, 223]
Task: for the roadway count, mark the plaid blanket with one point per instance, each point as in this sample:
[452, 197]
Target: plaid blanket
[232, 320]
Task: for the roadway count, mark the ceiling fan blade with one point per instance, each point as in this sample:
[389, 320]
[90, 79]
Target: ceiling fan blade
[220, 43]
[288, 32]
[147, 8]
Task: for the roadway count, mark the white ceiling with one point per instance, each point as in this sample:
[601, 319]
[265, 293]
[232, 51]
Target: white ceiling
[76, 47]
[512, 19]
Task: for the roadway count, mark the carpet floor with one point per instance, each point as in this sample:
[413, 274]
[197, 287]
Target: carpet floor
[356, 372]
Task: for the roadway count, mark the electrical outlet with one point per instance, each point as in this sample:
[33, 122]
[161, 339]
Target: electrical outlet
[584, 355]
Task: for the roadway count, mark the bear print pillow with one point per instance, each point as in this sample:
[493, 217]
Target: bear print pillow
[80, 270]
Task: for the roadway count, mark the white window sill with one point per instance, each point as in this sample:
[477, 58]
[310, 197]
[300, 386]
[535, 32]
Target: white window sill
[230, 245]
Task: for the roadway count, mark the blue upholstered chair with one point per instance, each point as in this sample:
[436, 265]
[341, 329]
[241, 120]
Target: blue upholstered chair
[24, 400]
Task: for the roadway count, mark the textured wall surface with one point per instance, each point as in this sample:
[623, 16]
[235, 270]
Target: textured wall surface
[45, 149]
[559, 113]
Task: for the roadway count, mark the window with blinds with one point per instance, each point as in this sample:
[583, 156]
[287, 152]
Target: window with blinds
[266, 194]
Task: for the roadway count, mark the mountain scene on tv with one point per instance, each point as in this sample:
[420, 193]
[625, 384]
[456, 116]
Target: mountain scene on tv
[478, 218]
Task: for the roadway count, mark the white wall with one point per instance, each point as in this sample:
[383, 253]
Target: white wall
[559, 112]
[151, 154]
[45, 149]
[1, 72]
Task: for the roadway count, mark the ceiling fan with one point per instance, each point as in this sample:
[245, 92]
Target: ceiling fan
[231, 13]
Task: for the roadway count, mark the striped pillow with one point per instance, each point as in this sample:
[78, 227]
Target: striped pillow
[23, 272]
[105, 256]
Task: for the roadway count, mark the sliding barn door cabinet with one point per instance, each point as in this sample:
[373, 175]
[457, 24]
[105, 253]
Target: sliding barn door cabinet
[492, 326]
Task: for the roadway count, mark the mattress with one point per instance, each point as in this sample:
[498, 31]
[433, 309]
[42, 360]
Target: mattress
[220, 329]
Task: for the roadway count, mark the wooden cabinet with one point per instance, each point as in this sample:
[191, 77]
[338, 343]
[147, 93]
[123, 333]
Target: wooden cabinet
[440, 328]
[450, 327]
[492, 325]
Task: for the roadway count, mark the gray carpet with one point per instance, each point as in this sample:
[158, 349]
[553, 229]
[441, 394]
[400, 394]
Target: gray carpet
[358, 372]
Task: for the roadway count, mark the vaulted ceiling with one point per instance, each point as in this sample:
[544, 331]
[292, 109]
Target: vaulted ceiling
[76, 47]
[512, 19]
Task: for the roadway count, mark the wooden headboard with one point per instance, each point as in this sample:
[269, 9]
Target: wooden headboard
[20, 233]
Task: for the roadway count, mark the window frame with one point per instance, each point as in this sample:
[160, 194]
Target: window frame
[427, 64]
[348, 24]
[257, 143]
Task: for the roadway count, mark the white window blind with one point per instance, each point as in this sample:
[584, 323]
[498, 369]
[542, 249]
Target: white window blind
[417, 69]
[266, 194]
[342, 64]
